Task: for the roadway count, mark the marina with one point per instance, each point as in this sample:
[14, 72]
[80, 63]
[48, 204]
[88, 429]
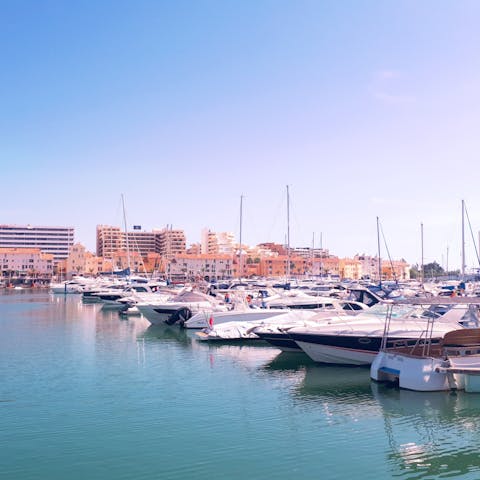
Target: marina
[232, 245]
[87, 393]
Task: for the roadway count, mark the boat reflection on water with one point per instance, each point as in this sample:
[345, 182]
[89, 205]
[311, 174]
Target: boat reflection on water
[431, 434]
[329, 379]
[289, 361]
[166, 333]
[343, 393]
[250, 356]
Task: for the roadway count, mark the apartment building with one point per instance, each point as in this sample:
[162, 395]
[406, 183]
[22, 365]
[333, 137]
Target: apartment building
[56, 241]
[186, 266]
[170, 242]
[209, 242]
[278, 266]
[25, 261]
[221, 242]
[110, 239]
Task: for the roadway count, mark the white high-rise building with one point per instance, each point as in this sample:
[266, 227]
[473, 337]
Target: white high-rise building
[226, 243]
[57, 241]
[217, 243]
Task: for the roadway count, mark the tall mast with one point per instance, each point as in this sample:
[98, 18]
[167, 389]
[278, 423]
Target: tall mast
[313, 254]
[447, 258]
[240, 263]
[421, 240]
[463, 240]
[126, 234]
[379, 259]
[288, 235]
[321, 254]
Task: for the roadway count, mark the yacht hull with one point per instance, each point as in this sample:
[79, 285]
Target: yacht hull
[281, 341]
[338, 349]
[336, 355]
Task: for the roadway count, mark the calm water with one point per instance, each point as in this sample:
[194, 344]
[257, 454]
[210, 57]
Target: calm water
[87, 395]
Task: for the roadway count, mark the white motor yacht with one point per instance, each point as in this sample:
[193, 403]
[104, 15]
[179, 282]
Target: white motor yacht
[357, 340]
[244, 324]
[303, 301]
[245, 330]
[75, 285]
[179, 308]
[433, 363]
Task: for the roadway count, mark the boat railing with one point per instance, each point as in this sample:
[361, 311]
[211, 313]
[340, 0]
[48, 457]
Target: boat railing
[425, 335]
[421, 347]
[459, 351]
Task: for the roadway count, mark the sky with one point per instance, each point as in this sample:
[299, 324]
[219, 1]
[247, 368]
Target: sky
[364, 109]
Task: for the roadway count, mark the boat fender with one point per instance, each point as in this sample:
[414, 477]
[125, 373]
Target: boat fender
[181, 316]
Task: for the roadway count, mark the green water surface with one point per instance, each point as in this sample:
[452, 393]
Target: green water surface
[85, 394]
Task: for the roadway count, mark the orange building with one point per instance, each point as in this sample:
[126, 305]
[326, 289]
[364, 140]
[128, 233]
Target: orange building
[154, 263]
[395, 270]
[328, 266]
[121, 259]
[277, 266]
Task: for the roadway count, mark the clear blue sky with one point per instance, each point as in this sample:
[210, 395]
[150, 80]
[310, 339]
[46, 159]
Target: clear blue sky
[364, 108]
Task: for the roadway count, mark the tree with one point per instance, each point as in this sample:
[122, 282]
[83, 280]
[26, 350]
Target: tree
[433, 270]
[415, 272]
[430, 270]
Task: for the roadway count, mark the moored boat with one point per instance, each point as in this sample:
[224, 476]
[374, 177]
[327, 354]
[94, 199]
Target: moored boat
[357, 340]
[451, 362]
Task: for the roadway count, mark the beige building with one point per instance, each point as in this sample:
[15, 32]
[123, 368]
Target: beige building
[209, 242]
[221, 242]
[170, 242]
[25, 261]
[76, 261]
[350, 268]
[109, 240]
[166, 242]
[369, 266]
[141, 242]
[82, 262]
[187, 266]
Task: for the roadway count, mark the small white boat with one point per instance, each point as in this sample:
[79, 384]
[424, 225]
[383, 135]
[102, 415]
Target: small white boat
[132, 311]
[70, 286]
[204, 319]
[245, 330]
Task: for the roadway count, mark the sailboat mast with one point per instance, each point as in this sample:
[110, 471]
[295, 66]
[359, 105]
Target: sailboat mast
[379, 259]
[421, 240]
[463, 240]
[447, 258]
[126, 234]
[312, 256]
[240, 251]
[321, 254]
[288, 234]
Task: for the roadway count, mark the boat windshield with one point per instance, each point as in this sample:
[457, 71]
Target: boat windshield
[402, 311]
